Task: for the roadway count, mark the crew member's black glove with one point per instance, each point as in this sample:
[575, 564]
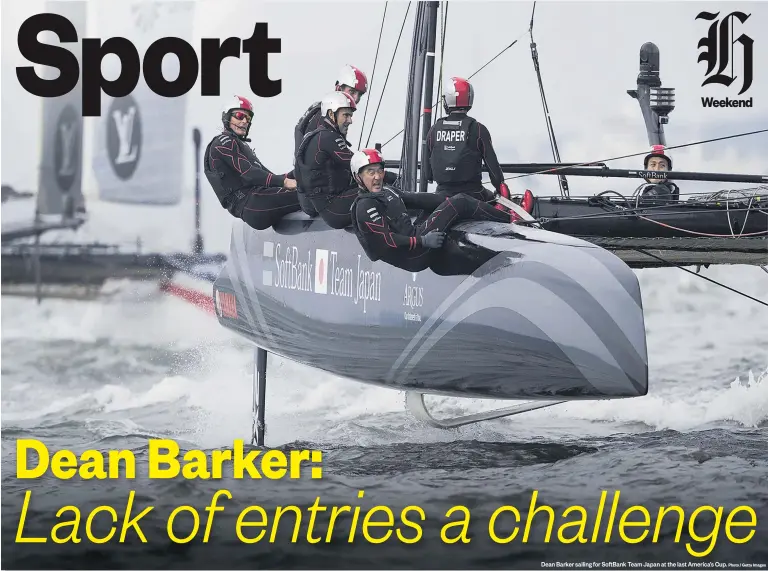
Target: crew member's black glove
[433, 239]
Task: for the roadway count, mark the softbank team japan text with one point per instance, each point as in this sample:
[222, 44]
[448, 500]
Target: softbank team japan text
[326, 275]
[213, 52]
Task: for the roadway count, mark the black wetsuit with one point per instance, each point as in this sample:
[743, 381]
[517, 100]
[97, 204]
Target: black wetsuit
[244, 186]
[309, 122]
[385, 230]
[457, 146]
[324, 175]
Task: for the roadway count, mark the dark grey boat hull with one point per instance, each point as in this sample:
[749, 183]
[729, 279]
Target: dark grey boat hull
[541, 316]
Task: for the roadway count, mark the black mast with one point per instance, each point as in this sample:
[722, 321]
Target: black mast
[419, 97]
[197, 245]
[656, 102]
[409, 155]
[431, 8]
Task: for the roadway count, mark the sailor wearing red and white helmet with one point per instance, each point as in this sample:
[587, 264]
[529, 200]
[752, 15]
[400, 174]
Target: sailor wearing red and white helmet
[322, 162]
[383, 224]
[244, 186]
[659, 188]
[350, 80]
[458, 144]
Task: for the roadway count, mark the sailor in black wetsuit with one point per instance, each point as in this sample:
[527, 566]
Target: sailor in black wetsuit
[458, 144]
[659, 189]
[244, 186]
[350, 80]
[382, 222]
[322, 162]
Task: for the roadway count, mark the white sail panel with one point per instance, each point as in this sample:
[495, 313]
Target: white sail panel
[137, 154]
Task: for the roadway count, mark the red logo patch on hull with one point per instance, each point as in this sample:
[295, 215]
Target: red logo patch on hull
[226, 305]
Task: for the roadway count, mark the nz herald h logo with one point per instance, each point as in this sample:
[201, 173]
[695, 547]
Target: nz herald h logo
[719, 53]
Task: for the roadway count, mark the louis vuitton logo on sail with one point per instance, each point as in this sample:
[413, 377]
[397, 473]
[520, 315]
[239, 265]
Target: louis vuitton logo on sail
[124, 122]
[67, 148]
[67, 133]
[124, 136]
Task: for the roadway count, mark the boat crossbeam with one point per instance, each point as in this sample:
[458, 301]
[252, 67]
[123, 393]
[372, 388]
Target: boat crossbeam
[259, 396]
[414, 401]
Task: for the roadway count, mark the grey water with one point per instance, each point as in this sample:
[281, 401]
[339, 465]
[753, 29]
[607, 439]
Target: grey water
[113, 373]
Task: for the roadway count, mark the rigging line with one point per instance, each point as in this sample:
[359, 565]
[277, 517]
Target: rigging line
[468, 78]
[732, 190]
[443, 26]
[497, 55]
[561, 180]
[633, 212]
[624, 212]
[383, 89]
[639, 154]
[628, 214]
[700, 276]
[731, 235]
[373, 75]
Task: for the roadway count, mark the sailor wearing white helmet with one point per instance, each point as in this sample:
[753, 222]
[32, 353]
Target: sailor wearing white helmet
[322, 162]
[349, 80]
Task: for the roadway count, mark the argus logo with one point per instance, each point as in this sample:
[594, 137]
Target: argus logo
[213, 52]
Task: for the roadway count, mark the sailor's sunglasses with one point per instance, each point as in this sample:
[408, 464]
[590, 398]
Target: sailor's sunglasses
[240, 115]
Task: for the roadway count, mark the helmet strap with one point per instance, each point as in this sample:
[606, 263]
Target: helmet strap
[334, 118]
[360, 183]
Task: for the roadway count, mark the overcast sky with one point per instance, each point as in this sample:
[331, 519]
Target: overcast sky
[588, 54]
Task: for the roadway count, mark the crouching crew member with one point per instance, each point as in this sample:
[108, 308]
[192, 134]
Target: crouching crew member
[382, 223]
[243, 185]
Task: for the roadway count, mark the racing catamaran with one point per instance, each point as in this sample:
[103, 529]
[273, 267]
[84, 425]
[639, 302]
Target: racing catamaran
[504, 311]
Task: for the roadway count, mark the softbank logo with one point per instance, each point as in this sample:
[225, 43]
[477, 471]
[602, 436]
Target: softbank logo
[289, 267]
[321, 271]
